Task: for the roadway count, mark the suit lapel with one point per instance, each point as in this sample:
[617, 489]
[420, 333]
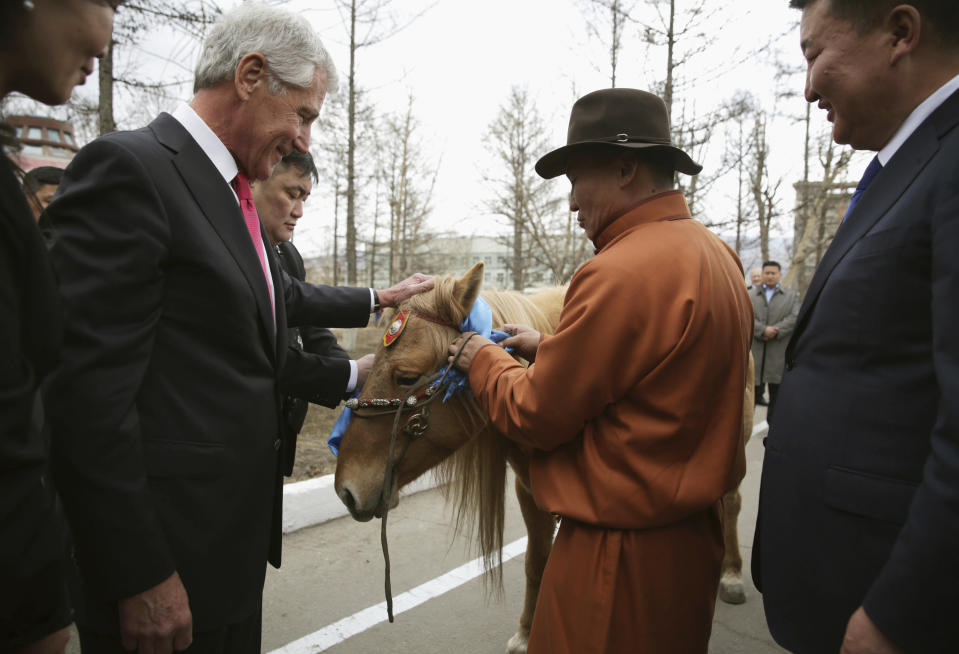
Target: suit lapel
[221, 209]
[888, 186]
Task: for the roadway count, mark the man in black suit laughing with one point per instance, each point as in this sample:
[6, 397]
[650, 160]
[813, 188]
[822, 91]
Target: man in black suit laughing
[858, 531]
[167, 431]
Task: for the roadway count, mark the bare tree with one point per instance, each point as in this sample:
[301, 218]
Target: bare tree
[559, 244]
[738, 148]
[368, 22]
[516, 136]
[764, 189]
[409, 180]
[820, 206]
[607, 20]
[542, 231]
[188, 19]
[329, 151]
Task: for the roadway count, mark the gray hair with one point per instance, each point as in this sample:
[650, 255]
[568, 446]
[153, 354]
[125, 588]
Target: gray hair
[292, 49]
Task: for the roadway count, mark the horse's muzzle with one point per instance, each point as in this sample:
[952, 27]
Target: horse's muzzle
[347, 498]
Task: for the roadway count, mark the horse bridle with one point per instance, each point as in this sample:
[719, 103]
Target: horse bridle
[416, 402]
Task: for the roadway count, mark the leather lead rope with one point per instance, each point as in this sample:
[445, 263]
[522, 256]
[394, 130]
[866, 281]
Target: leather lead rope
[388, 475]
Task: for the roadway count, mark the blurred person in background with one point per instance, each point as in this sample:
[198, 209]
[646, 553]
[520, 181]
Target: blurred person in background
[774, 317]
[39, 185]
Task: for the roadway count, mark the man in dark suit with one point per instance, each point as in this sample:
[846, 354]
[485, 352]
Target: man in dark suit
[279, 203]
[858, 532]
[166, 420]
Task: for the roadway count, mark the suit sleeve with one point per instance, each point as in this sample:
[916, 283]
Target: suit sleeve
[319, 372]
[915, 599]
[325, 306]
[112, 237]
[318, 340]
[316, 378]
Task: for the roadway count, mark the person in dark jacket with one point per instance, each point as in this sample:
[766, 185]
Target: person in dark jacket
[279, 202]
[858, 529]
[165, 412]
[46, 48]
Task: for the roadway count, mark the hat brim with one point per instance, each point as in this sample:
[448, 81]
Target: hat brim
[553, 164]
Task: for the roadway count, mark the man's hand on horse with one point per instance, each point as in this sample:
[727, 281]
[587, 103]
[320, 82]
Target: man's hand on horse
[523, 339]
[404, 290]
[469, 350]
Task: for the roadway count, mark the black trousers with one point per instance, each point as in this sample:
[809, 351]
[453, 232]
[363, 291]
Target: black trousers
[240, 638]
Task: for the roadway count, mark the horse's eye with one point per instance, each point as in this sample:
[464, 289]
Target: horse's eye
[406, 379]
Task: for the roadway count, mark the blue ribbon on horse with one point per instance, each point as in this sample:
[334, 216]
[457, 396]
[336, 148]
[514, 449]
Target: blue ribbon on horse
[479, 320]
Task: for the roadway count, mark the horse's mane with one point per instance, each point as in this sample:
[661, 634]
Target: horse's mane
[475, 474]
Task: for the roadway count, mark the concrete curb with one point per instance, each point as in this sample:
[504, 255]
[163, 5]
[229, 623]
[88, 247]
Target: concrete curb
[312, 502]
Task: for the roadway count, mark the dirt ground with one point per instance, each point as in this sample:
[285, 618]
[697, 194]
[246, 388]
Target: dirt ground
[313, 457]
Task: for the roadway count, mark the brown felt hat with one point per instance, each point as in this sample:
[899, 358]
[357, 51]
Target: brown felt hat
[625, 118]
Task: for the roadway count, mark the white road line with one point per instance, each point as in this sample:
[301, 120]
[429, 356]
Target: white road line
[336, 633]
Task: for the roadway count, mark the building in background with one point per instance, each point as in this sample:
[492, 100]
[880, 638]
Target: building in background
[44, 141]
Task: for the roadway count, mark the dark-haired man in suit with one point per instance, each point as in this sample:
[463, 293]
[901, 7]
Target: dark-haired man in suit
[167, 432]
[858, 529]
[279, 203]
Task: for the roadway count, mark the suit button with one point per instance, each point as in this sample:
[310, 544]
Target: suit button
[276, 445]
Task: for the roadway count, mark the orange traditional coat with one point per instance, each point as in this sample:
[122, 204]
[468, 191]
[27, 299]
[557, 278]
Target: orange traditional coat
[634, 408]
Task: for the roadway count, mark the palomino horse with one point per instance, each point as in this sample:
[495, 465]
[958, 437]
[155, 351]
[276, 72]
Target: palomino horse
[456, 436]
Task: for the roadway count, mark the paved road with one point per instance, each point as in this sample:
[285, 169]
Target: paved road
[335, 570]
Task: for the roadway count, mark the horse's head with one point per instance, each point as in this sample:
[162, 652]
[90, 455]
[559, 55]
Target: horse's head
[404, 368]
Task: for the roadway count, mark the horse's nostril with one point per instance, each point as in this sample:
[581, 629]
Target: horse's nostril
[347, 497]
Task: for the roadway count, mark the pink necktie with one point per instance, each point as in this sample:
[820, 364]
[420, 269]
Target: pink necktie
[241, 185]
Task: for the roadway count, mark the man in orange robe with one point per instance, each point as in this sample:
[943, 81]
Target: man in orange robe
[634, 407]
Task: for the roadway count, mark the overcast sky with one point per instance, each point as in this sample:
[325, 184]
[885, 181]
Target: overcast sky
[459, 60]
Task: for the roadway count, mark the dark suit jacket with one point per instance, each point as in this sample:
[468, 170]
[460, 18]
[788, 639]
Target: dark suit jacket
[860, 490]
[329, 359]
[166, 410]
[30, 334]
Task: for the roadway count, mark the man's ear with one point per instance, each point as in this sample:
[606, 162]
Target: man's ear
[628, 166]
[904, 27]
[250, 72]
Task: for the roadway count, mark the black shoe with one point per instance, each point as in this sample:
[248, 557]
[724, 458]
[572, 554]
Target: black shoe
[761, 402]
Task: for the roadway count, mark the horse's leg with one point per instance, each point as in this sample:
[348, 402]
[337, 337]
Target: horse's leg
[731, 588]
[540, 527]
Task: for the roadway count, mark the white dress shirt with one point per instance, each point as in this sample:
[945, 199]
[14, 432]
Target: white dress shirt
[919, 114]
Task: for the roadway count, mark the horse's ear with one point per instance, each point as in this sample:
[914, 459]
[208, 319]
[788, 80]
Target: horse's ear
[466, 289]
